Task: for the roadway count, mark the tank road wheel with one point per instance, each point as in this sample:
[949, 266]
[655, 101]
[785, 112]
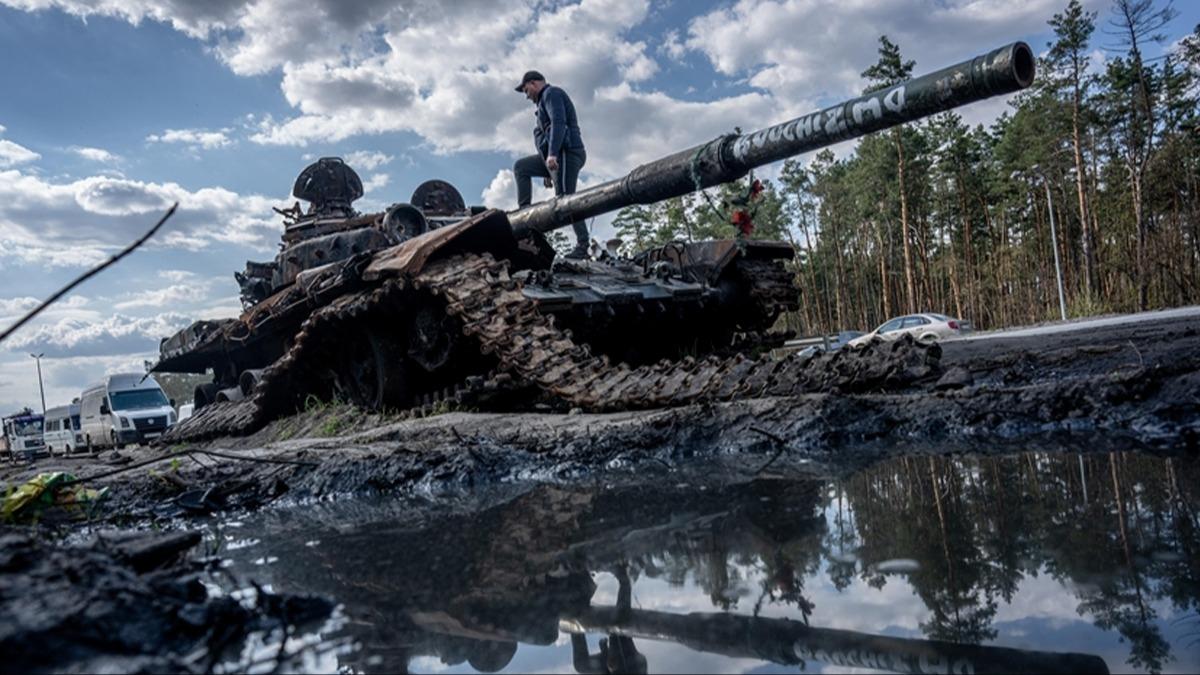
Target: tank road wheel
[432, 335]
[370, 371]
[204, 394]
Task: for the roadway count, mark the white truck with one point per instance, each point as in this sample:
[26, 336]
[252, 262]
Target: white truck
[124, 409]
[22, 437]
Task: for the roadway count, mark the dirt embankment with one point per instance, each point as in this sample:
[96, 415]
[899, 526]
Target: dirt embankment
[1123, 387]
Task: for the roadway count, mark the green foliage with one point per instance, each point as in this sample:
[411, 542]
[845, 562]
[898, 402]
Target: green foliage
[889, 69]
[180, 387]
[1118, 153]
[331, 426]
[1083, 306]
[314, 404]
[703, 216]
[964, 209]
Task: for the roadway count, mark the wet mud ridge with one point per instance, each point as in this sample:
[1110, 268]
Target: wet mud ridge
[127, 603]
[1134, 387]
[1121, 388]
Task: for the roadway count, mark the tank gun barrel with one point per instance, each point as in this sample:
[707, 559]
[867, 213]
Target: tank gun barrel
[1000, 71]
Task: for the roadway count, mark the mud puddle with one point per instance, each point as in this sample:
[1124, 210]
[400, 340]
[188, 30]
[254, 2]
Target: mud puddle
[1038, 562]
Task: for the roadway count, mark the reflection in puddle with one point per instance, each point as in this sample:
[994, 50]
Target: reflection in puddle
[1029, 563]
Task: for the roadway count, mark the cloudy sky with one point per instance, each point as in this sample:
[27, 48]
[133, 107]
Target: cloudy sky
[113, 109]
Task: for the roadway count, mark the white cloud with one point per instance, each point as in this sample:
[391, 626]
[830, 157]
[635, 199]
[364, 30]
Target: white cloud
[14, 307]
[366, 160]
[96, 155]
[673, 46]
[196, 19]
[120, 197]
[501, 193]
[375, 182]
[426, 67]
[459, 96]
[176, 275]
[115, 334]
[173, 296]
[758, 39]
[12, 154]
[82, 222]
[194, 138]
[351, 69]
[1097, 62]
[73, 307]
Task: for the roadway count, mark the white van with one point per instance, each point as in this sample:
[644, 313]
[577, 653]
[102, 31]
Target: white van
[74, 407]
[59, 434]
[123, 409]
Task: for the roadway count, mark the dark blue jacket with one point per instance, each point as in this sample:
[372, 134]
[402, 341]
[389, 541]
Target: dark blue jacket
[557, 126]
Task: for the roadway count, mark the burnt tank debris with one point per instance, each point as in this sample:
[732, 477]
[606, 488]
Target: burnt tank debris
[433, 303]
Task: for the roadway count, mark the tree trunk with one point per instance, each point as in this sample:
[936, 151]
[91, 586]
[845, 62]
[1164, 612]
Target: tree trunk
[1143, 279]
[1085, 230]
[883, 271]
[910, 283]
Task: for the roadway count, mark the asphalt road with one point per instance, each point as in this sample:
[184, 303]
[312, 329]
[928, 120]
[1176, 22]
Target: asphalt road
[1159, 317]
[1082, 348]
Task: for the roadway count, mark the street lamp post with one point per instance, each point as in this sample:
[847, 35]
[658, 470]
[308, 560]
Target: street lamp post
[41, 388]
[1062, 302]
[1058, 277]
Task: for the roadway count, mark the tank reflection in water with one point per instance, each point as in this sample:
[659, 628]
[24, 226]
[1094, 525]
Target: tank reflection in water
[1023, 563]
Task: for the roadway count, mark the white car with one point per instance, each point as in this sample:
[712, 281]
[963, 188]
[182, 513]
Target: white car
[924, 327]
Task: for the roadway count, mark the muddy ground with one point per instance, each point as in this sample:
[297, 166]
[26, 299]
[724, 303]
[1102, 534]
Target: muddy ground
[1129, 387]
[1133, 386]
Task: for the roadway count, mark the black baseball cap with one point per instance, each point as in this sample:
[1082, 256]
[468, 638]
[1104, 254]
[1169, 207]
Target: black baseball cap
[529, 76]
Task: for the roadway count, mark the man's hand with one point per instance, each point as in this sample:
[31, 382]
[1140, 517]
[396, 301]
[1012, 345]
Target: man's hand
[546, 182]
[552, 163]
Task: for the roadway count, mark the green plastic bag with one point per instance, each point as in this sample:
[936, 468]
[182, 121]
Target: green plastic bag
[47, 489]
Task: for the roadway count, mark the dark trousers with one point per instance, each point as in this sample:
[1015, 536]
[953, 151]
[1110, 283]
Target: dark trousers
[569, 164]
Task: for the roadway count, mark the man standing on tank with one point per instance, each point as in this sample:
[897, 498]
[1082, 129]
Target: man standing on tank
[559, 145]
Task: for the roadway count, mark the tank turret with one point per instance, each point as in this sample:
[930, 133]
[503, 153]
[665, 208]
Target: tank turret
[331, 230]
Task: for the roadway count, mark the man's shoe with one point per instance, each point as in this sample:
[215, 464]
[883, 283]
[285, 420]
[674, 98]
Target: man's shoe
[580, 252]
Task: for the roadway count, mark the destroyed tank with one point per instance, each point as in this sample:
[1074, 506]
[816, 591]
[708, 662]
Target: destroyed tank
[432, 303]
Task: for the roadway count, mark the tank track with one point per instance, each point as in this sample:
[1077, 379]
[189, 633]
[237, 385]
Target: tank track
[772, 286]
[528, 345]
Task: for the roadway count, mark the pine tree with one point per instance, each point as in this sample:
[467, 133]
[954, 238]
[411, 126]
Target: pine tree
[888, 70]
[1068, 55]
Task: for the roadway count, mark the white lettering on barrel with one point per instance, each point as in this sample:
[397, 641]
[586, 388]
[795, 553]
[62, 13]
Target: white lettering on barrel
[789, 131]
[806, 127]
[894, 99]
[933, 662]
[869, 106]
[739, 148]
[834, 122]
